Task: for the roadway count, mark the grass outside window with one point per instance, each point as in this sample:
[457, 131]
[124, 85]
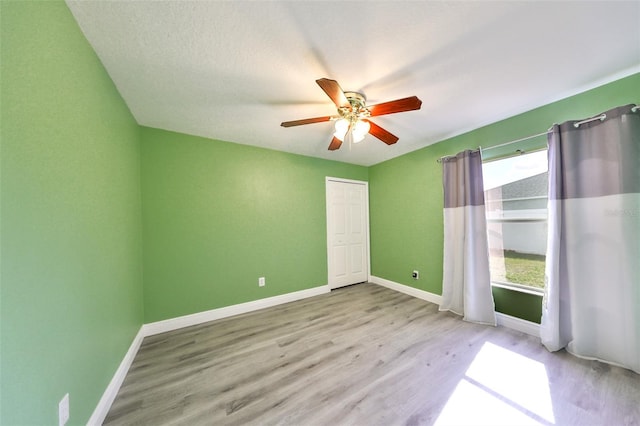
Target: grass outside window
[518, 268]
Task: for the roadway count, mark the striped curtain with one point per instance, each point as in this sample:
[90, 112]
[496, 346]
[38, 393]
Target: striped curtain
[592, 296]
[466, 285]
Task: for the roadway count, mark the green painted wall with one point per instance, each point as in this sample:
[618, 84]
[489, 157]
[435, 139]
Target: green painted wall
[71, 248]
[219, 215]
[406, 193]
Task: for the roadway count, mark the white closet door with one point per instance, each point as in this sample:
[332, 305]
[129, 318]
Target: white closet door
[347, 232]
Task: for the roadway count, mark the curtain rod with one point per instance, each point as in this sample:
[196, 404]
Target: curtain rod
[600, 117]
[439, 160]
[517, 140]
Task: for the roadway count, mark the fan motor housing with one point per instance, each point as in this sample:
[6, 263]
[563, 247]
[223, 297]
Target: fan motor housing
[358, 106]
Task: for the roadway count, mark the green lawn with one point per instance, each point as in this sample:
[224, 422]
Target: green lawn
[519, 268]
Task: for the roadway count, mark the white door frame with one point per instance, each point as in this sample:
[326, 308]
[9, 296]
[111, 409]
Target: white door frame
[366, 224]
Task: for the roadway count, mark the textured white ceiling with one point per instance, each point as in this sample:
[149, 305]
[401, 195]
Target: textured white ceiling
[234, 70]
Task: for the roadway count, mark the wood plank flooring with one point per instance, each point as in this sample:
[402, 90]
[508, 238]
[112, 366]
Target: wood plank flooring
[365, 355]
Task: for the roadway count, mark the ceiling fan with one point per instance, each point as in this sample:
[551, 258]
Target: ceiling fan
[352, 120]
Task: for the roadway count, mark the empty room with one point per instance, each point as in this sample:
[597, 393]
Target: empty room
[319, 212]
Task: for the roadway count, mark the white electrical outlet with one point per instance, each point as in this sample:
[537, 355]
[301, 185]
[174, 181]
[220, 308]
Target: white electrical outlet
[63, 410]
[415, 275]
[261, 282]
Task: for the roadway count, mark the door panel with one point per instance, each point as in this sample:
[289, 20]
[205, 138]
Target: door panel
[357, 260]
[340, 225]
[347, 232]
[340, 261]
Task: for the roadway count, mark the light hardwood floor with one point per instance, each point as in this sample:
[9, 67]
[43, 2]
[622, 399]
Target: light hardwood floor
[365, 355]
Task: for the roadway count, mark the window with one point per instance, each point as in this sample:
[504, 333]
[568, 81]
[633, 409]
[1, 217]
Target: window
[516, 201]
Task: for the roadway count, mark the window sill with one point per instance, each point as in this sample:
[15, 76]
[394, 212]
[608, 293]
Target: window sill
[520, 288]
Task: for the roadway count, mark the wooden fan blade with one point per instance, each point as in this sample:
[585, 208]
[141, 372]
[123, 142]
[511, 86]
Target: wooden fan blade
[382, 134]
[399, 105]
[305, 121]
[334, 91]
[335, 144]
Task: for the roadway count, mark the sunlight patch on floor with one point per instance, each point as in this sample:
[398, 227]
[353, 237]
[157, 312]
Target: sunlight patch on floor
[501, 387]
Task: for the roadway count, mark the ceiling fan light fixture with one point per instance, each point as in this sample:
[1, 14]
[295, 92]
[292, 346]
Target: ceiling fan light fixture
[342, 127]
[357, 138]
[360, 129]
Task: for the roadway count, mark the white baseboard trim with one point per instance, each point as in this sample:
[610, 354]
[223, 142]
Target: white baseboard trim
[503, 320]
[109, 395]
[228, 311]
[411, 291]
[518, 324]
